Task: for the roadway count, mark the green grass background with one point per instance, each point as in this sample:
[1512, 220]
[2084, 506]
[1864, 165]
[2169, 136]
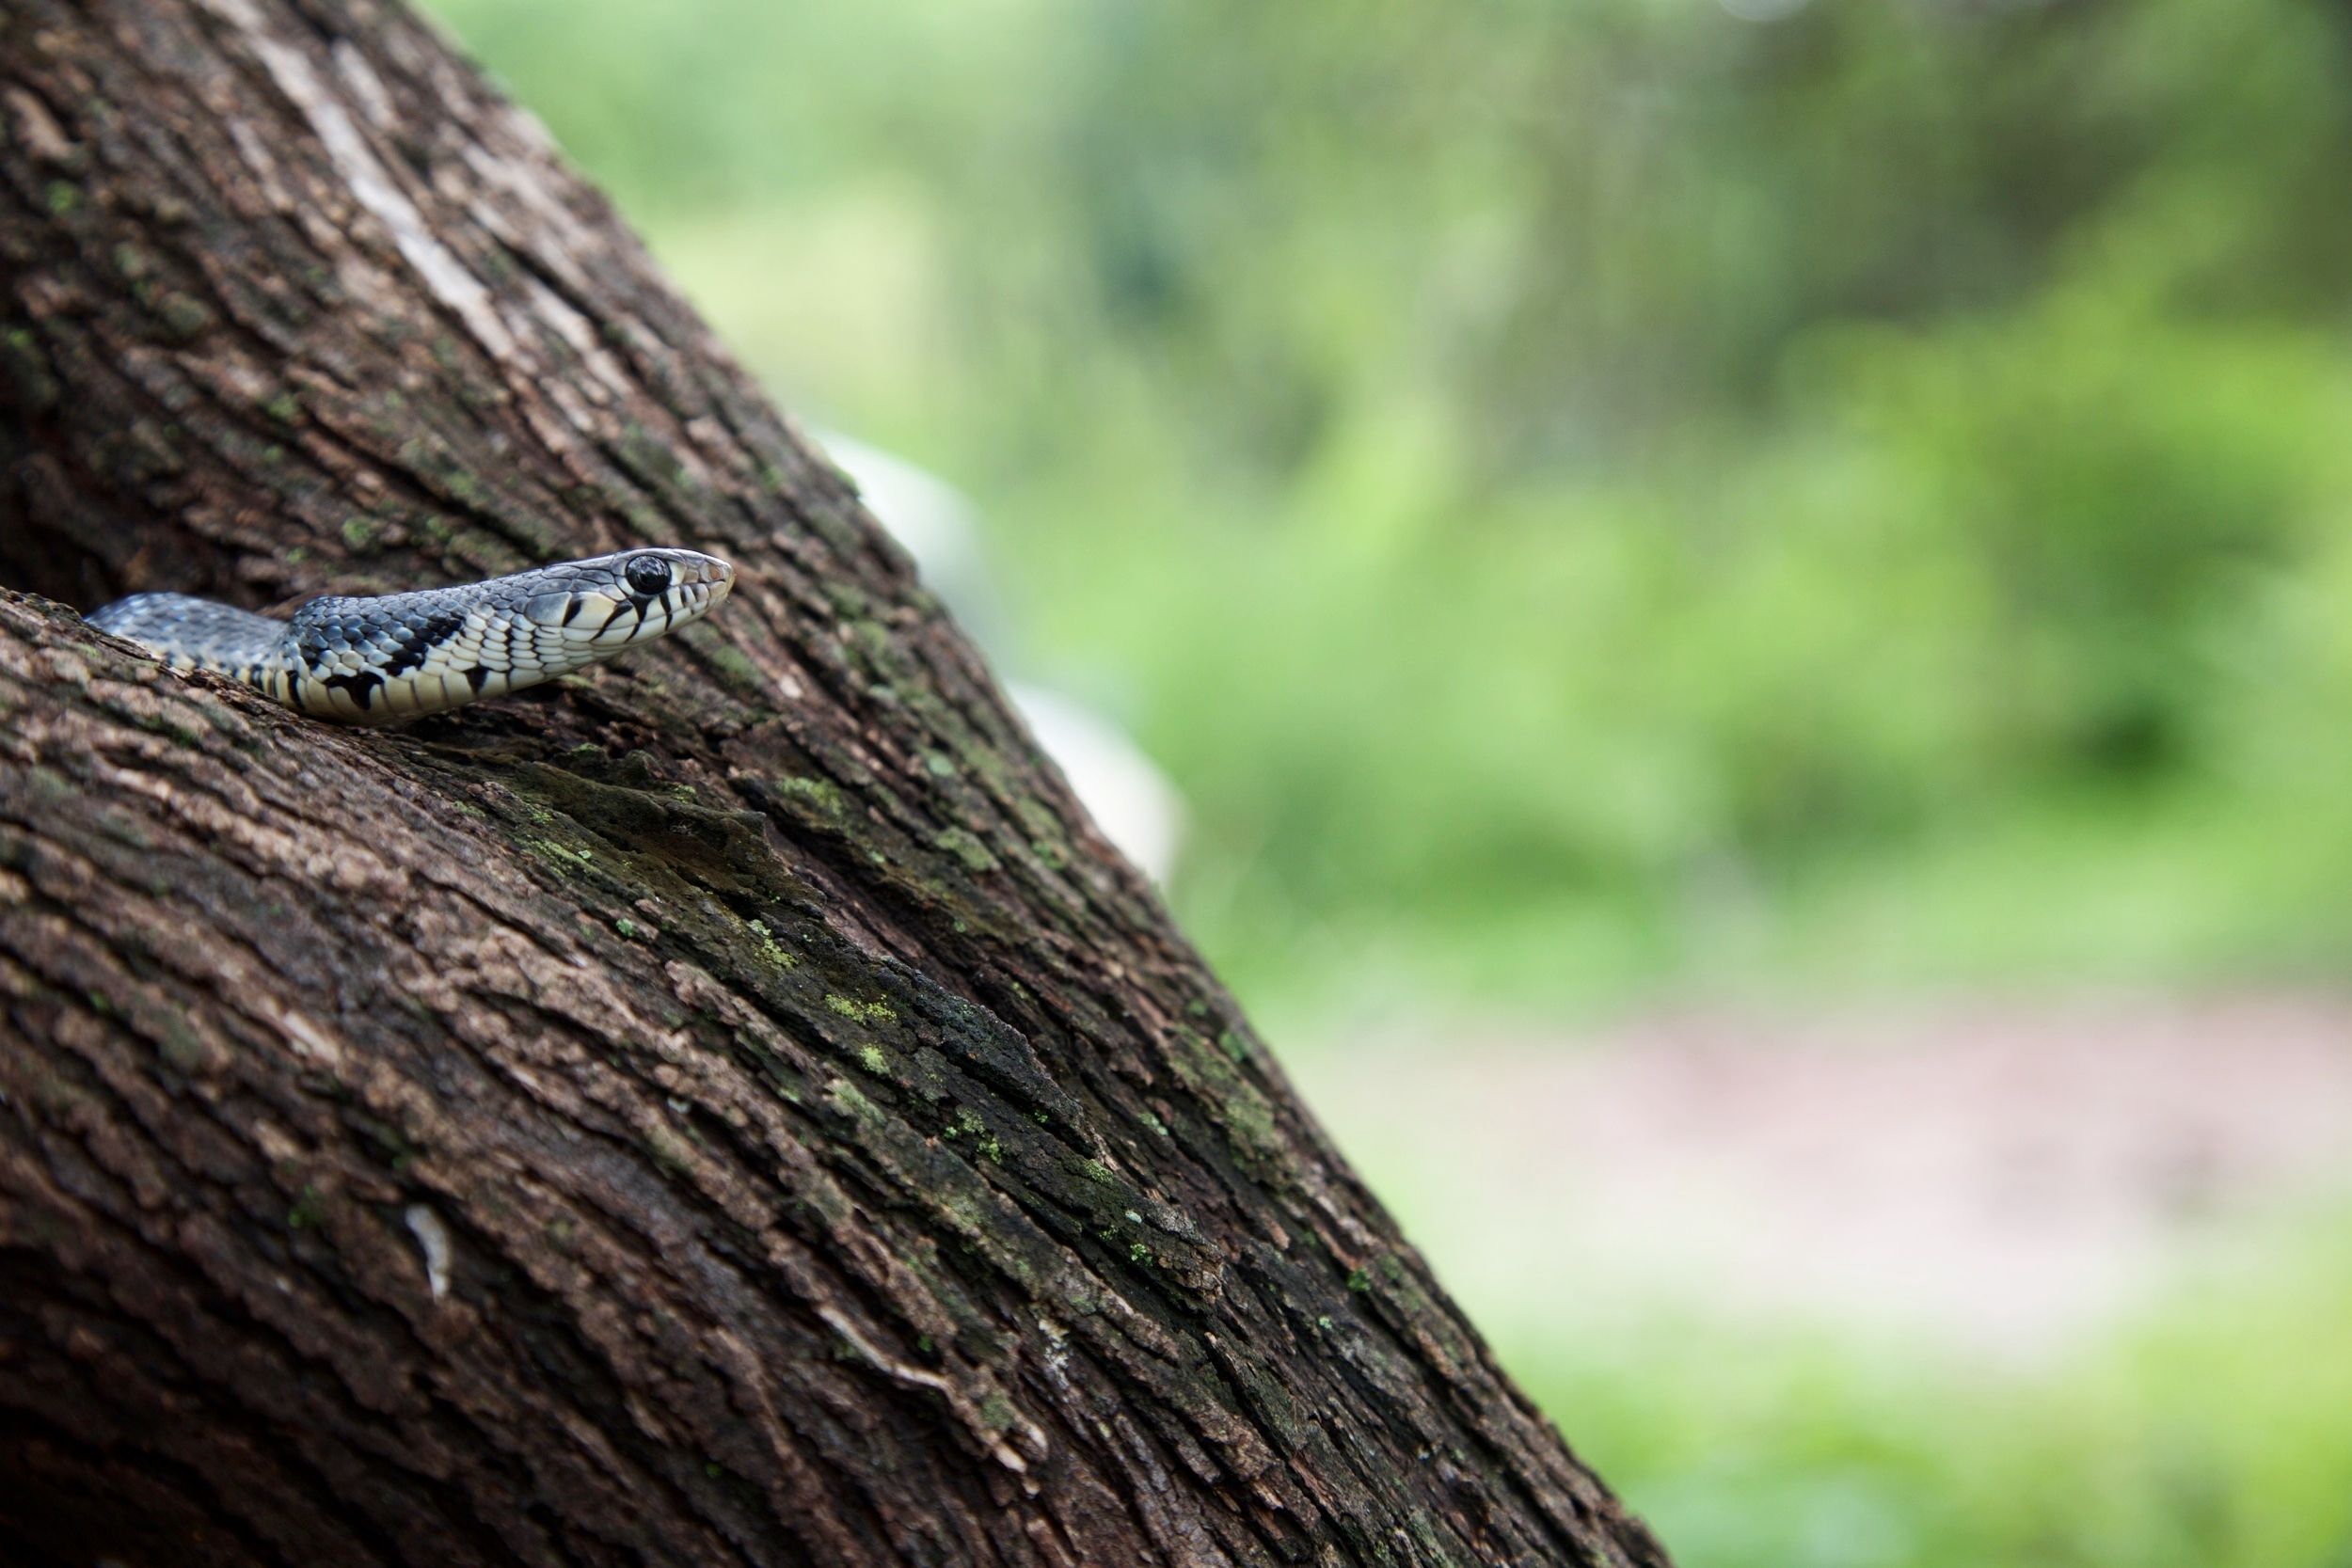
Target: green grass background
[1607, 501]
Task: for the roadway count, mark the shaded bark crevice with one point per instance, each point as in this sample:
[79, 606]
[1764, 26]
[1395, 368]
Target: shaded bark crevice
[841, 1157]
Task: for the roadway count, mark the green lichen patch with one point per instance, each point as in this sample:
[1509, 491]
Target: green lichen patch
[49, 787]
[184, 316]
[970, 1124]
[734, 668]
[655, 836]
[560, 855]
[769, 948]
[651, 458]
[847, 1095]
[1244, 1112]
[27, 366]
[849, 600]
[881, 653]
[864, 1013]
[309, 1212]
[967, 847]
[814, 798]
[182, 1049]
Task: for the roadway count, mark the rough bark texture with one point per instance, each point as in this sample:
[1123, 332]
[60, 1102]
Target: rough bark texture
[730, 1107]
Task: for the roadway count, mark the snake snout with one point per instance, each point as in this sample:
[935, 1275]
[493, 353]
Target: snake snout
[705, 577]
[693, 569]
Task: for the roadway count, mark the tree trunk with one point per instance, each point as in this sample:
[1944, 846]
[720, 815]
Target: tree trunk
[729, 1107]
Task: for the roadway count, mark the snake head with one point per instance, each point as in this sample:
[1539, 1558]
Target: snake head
[597, 606]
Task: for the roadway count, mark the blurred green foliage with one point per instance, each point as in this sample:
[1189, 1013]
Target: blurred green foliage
[1587, 499]
[1591, 497]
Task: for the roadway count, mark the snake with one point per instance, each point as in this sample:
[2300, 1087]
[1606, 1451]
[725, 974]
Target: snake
[395, 656]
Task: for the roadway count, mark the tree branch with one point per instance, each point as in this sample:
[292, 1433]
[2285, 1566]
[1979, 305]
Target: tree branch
[729, 1106]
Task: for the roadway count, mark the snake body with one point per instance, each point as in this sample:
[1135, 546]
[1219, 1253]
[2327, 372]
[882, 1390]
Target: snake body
[380, 660]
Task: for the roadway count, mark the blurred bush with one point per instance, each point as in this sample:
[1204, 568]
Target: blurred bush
[1588, 496]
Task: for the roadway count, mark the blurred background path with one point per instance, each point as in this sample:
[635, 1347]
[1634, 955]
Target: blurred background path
[2006, 1176]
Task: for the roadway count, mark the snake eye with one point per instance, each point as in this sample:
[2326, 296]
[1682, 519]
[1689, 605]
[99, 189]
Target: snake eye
[647, 574]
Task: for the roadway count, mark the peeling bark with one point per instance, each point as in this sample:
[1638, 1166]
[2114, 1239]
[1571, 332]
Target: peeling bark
[727, 1107]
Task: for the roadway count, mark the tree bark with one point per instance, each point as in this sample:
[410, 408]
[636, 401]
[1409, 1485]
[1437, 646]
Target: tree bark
[729, 1107]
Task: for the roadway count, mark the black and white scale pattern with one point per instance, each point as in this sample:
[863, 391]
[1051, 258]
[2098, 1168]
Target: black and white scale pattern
[377, 661]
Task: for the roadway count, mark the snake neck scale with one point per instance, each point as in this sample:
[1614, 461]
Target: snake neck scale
[401, 655]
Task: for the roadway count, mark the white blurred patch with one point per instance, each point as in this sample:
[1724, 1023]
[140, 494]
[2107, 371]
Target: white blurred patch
[433, 1240]
[1129, 798]
[936, 523]
[1131, 801]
